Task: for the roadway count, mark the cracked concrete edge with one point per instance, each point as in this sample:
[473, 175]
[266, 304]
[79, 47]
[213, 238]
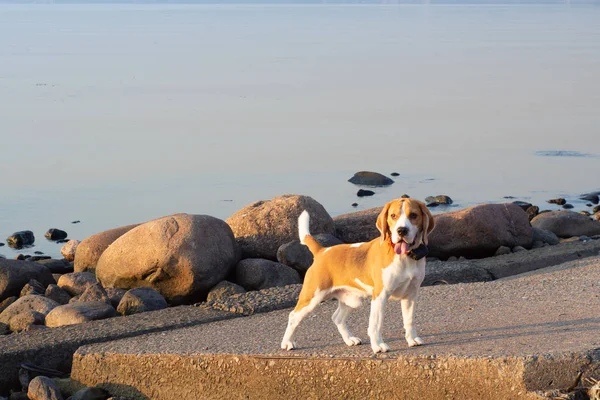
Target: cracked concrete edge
[208, 376]
[54, 348]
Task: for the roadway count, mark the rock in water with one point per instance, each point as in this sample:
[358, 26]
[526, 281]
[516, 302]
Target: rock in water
[440, 199]
[181, 256]
[55, 234]
[368, 178]
[20, 239]
[363, 193]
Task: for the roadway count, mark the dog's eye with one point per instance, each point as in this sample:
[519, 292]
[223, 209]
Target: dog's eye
[393, 216]
[412, 215]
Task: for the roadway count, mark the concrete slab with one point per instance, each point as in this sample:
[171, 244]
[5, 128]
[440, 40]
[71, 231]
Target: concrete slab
[500, 340]
[54, 348]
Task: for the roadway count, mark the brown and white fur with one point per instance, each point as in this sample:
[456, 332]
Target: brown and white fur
[378, 269]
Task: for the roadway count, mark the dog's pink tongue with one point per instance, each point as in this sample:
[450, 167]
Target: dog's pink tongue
[401, 248]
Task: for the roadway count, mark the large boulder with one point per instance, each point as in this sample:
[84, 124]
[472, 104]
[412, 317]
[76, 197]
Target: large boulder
[566, 224]
[261, 227]
[296, 255]
[479, 231]
[36, 303]
[79, 312]
[88, 252]
[258, 273]
[15, 274]
[181, 256]
[358, 226]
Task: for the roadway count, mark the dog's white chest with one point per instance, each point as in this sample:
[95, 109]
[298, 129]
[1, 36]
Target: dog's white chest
[402, 272]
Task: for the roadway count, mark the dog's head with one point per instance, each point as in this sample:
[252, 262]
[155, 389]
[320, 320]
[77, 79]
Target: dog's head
[405, 223]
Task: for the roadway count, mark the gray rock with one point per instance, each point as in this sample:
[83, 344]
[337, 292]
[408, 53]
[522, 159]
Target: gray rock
[57, 266]
[223, 290]
[115, 295]
[40, 304]
[517, 249]
[503, 250]
[545, 236]
[74, 299]
[537, 244]
[7, 302]
[57, 294]
[68, 250]
[257, 273]
[523, 204]
[181, 256]
[567, 206]
[532, 212]
[90, 393]
[140, 300]
[364, 193]
[43, 388]
[15, 274]
[4, 329]
[592, 197]
[23, 321]
[566, 224]
[261, 227]
[20, 239]
[440, 199]
[296, 255]
[95, 292]
[76, 283]
[368, 178]
[32, 287]
[560, 201]
[79, 312]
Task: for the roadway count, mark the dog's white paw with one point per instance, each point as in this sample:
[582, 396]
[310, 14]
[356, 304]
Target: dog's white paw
[380, 347]
[288, 345]
[352, 341]
[415, 342]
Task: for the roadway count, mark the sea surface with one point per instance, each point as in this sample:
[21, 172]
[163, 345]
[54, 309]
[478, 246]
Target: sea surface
[113, 114]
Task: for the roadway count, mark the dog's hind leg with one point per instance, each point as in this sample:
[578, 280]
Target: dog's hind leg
[339, 319]
[303, 308]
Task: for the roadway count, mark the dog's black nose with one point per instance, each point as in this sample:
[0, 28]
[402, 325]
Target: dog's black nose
[402, 231]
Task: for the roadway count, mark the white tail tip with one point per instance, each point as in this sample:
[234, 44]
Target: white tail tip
[303, 224]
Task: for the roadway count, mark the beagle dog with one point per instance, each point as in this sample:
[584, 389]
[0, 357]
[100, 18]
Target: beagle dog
[382, 268]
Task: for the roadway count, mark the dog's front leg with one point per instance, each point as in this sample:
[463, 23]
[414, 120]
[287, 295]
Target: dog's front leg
[408, 313]
[376, 322]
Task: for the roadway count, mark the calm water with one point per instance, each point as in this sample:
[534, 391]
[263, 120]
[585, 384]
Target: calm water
[115, 114]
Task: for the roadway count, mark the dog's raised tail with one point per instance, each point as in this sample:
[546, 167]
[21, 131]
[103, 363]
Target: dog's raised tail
[304, 233]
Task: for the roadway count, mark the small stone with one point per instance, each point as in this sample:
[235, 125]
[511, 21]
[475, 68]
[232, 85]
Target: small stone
[76, 283]
[560, 201]
[523, 204]
[43, 388]
[597, 216]
[354, 204]
[32, 287]
[90, 393]
[452, 258]
[567, 206]
[38, 252]
[537, 244]
[502, 250]
[141, 300]
[223, 290]
[434, 204]
[595, 209]
[95, 292]
[1, 244]
[69, 249]
[79, 312]
[75, 222]
[24, 320]
[586, 213]
[55, 234]
[7, 302]
[115, 295]
[440, 199]
[395, 174]
[57, 294]
[517, 249]
[405, 196]
[363, 193]
[532, 212]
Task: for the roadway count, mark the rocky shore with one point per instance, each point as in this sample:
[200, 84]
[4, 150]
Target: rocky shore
[252, 262]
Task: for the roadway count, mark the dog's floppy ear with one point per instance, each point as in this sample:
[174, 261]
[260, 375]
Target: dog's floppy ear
[428, 222]
[382, 224]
